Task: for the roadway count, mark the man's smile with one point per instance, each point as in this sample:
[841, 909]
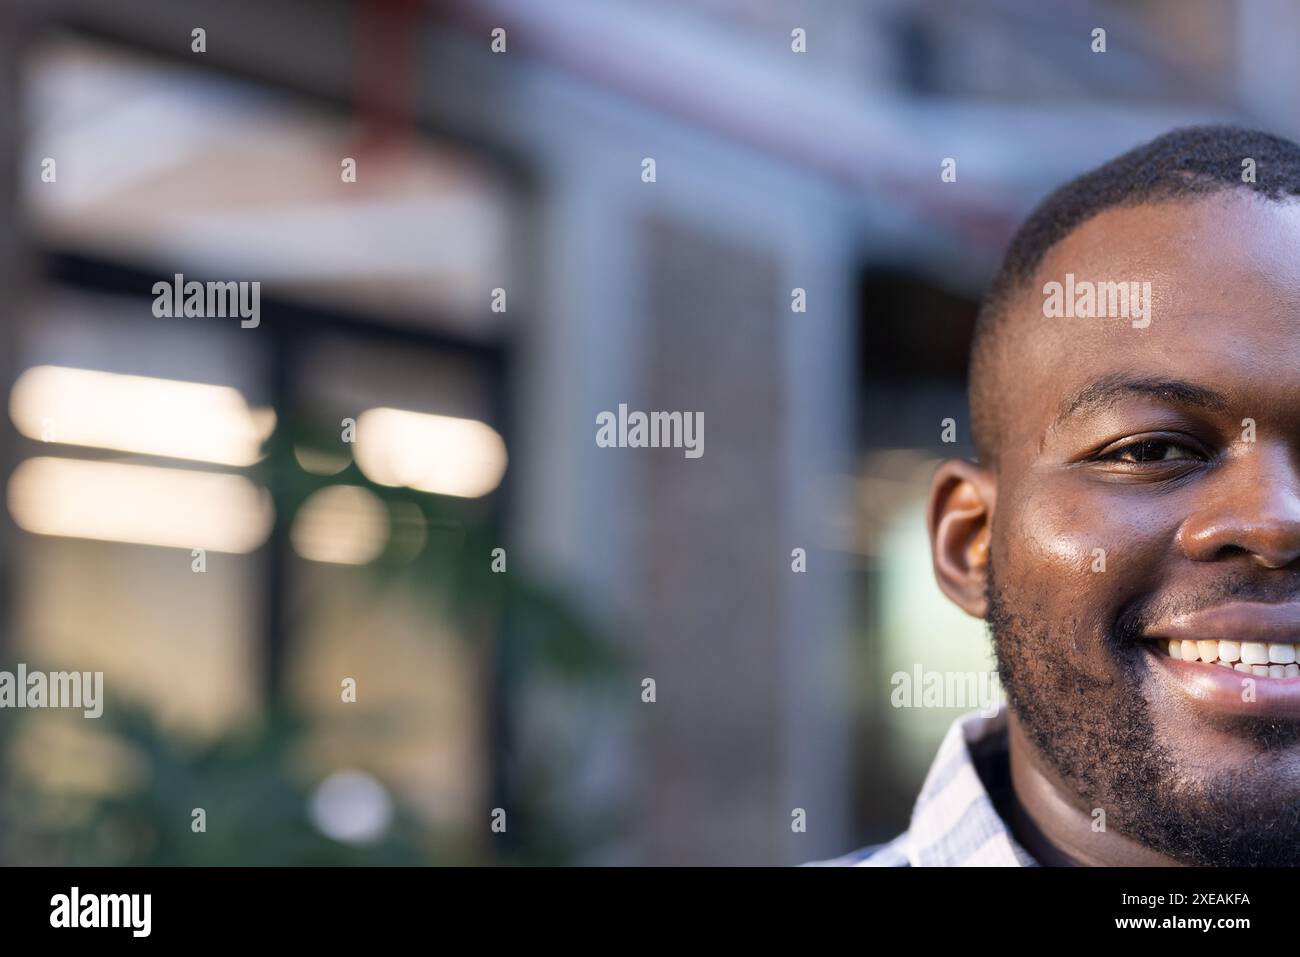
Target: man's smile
[1207, 655]
[1260, 639]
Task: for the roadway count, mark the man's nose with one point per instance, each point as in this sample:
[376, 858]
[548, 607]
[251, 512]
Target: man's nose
[1251, 506]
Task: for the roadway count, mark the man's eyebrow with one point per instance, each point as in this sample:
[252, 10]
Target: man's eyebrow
[1110, 389]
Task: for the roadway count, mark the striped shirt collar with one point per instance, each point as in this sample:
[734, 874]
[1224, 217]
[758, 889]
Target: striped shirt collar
[955, 821]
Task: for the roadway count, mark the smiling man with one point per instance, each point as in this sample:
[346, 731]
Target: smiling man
[1131, 530]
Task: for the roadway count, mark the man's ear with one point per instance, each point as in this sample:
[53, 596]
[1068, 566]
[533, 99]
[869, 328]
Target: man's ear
[960, 519]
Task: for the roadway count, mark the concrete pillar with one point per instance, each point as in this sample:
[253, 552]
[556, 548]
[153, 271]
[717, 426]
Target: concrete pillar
[710, 543]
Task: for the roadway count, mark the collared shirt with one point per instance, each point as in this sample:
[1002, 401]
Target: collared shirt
[956, 820]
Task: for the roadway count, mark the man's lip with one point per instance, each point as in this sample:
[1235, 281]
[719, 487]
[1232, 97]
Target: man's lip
[1233, 621]
[1225, 690]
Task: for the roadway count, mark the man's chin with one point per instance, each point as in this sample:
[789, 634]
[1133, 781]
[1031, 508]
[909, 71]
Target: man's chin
[1222, 819]
[1205, 787]
[1222, 791]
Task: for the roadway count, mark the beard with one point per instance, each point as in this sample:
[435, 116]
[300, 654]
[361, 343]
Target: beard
[1099, 736]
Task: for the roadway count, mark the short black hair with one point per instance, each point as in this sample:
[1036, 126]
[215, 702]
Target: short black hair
[1183, 163]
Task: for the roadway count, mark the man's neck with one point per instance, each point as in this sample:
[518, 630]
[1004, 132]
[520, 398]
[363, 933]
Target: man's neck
[1049, 823]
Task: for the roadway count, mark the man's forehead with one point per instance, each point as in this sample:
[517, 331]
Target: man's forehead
[1215, 282]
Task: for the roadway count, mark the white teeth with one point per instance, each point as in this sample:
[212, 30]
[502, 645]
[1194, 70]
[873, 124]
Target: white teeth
[1276, 659]
[1254, 652]
[1281, 654]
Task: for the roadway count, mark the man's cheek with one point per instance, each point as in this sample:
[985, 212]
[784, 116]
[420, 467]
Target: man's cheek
[1078, 562]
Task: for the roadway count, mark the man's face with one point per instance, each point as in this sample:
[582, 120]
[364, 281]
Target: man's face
[1147, 488]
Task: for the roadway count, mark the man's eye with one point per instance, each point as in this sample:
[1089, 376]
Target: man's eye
[1151, 450]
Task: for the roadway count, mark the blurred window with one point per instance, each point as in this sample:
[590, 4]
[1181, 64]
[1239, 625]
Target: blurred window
[197, 523]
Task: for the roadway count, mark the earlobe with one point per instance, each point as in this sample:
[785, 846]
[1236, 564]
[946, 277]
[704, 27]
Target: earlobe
[960, 519]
